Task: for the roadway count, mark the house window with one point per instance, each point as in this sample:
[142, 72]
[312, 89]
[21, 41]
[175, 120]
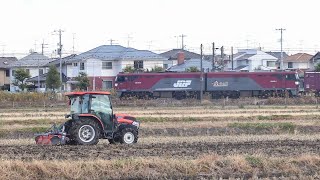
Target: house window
[290, 64]
[271, 64]
[7, 73]
[40, 71]
[138, 64]
[165, 66]
[106, 85]
[81, 66]
[106, 65]
[28, 71]
[13, 72]
[75, 64]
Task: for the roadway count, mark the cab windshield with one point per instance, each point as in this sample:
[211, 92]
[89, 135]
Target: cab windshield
[79, 104]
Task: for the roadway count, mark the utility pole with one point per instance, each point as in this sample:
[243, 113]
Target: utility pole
[213, 57]
[222, 58]
[201, 74]
[182, 36]
[281, 39]
[231, 58]
[42, 47]
[60, 54]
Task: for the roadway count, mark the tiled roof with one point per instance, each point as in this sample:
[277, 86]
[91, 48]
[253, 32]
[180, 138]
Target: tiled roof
[5, 62]
[32, 60]
[299, 57]
[43, 77]
[278, 54]
[243, 56]
[173, 54]
[117, 52]
[64, 59]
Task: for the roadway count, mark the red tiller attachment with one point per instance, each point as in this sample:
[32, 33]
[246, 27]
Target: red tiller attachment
[54, 136]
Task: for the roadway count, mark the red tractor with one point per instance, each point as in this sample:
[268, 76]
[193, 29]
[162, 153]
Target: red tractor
[91, 118]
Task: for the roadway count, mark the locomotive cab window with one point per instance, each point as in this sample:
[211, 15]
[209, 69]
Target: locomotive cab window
[291, 77]
[120, 79]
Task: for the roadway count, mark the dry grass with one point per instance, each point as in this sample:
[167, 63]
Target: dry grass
[209, 166]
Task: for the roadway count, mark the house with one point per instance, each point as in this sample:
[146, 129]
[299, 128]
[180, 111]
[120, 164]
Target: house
[315, 60]
[103, 63]
[172, 56]
[299, 61]
[254, 60]
[5, 63]
[64, 69]
[35, 64]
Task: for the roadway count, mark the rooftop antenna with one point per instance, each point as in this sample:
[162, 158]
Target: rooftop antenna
[73, 42]
[3, 46]
[129, 37]
[111, 41]
[182, 37]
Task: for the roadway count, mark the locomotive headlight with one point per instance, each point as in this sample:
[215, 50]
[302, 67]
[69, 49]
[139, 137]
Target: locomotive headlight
[115, 84]
[297, 82]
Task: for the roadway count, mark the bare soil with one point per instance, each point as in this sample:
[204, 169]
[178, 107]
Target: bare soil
[287, 148]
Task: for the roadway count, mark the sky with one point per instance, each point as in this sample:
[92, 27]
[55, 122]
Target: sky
[156, 25]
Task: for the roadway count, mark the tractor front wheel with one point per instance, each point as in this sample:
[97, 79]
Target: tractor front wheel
[85, 132]
[128, 136]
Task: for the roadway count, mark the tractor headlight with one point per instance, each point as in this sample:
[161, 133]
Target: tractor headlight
[135, 123]
[297, 82]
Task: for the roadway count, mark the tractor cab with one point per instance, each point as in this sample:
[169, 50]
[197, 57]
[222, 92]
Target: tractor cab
[93, 105]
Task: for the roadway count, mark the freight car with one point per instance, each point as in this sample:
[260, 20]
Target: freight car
[312, 83]
[218, 84]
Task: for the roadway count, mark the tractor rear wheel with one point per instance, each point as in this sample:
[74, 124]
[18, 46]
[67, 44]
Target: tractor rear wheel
[85, 132]
[128, 136]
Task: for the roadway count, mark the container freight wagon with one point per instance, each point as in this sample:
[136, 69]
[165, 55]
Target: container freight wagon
[218, 84]
[158, 85]
[312, 82]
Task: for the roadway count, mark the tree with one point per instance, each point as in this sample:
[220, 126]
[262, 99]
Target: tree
[53, 78]
[157, 69]
[20, 76]
[128, 69]
[192, 69]
[317, 67]
[83, 81]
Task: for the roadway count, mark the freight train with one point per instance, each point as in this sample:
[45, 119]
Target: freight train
[217, 84]
[311, 83]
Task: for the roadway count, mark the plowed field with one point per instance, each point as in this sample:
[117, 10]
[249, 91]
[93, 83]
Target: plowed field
[195, 142]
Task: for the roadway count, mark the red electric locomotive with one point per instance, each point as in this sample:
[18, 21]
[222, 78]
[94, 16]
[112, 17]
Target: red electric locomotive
[218, 84]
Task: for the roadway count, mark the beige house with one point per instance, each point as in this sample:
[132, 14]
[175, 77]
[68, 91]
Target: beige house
[301, 61]
[5, 62]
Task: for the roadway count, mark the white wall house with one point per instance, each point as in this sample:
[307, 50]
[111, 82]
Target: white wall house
[102, 64]
[254, 60]
[302, 61]
[35, 64]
